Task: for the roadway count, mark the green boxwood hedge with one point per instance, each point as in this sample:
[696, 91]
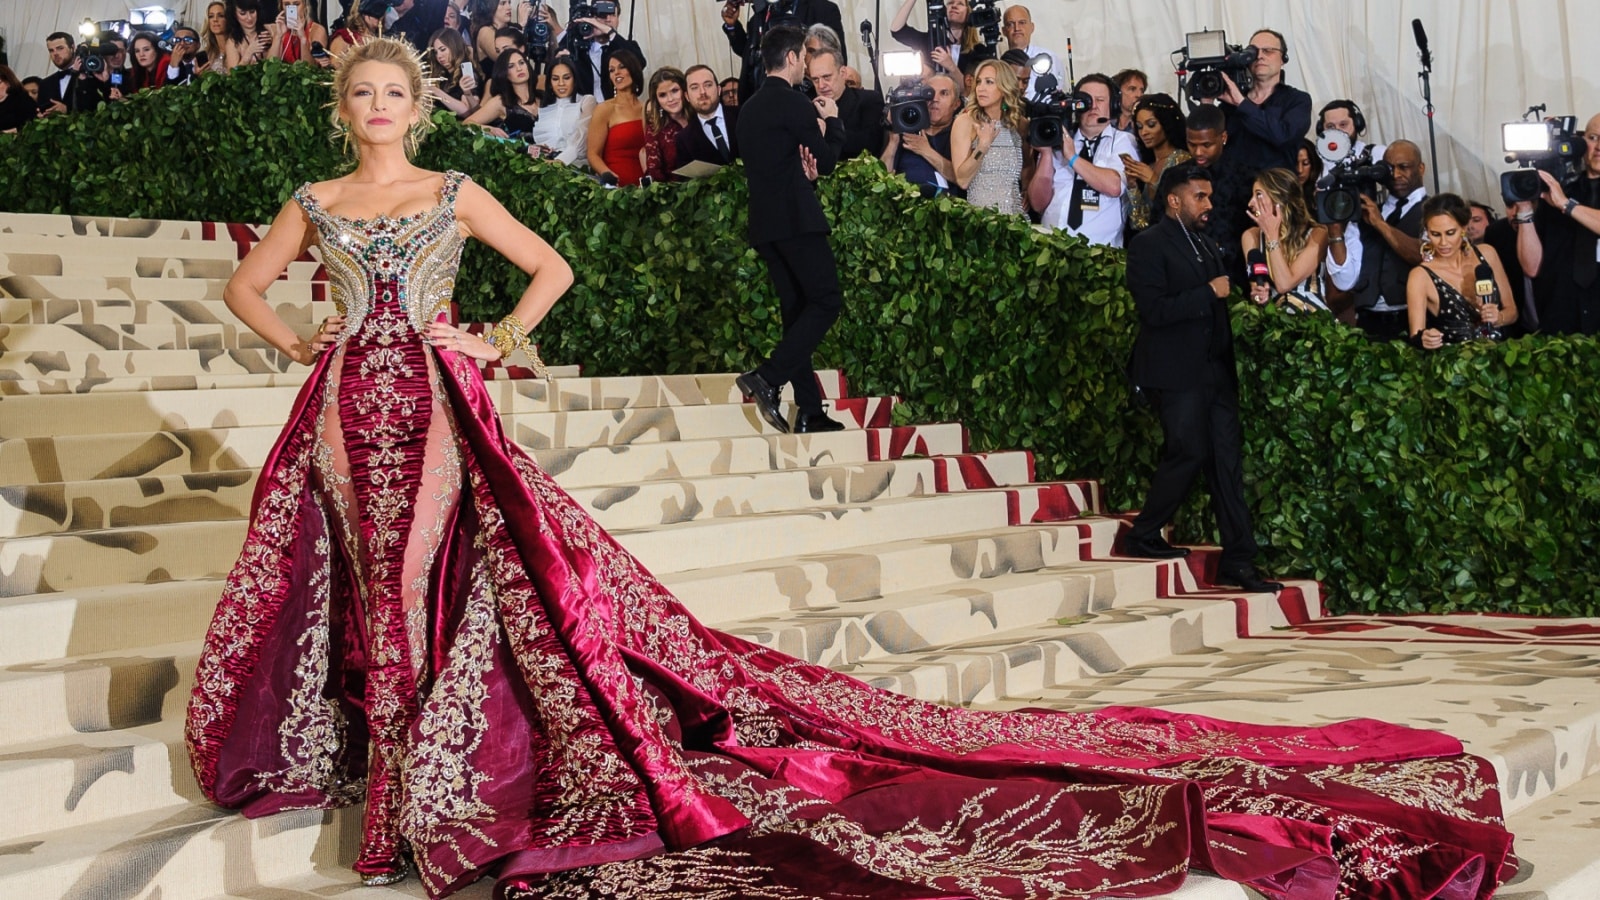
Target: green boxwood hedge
[1466, 479]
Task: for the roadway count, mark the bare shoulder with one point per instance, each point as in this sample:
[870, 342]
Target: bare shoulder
[1489, 253]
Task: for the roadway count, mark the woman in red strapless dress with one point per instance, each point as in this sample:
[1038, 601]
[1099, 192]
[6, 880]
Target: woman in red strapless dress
[616, 133]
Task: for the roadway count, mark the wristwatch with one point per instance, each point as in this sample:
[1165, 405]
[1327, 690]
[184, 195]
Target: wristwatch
[1571, 205]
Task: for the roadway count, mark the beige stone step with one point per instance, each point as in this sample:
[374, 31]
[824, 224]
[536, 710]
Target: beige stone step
[89, 457]
[116, 302]
[35, 364]
[218, 336]
[112, 618]
[51, 224]
[102, 412]
[181, 851]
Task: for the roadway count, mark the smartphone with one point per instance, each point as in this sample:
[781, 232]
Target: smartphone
[116, 79]
[291, 16]
[466, 70]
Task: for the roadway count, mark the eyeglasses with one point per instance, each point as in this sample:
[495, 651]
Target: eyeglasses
[1263, 51]
[188, 40]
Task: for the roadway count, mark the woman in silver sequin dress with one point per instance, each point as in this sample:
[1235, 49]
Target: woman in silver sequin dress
[991, 154]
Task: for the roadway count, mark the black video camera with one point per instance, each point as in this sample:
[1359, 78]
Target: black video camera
[985, 16]
[1052, 113]
[583, 32]
[909, 111]
[1207, 56]
[94, 53]
[1552, 145]
[1340, 191]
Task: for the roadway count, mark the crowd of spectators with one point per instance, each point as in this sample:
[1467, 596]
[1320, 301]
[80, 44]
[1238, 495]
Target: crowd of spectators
[583, 98]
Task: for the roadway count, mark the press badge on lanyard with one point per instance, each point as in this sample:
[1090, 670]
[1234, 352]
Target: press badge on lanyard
[1088, 197]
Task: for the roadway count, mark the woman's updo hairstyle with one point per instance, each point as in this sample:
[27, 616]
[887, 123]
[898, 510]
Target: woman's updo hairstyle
[395, 52]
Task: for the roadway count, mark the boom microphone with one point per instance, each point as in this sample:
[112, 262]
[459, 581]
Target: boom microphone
[866, 29]
[1422, 43]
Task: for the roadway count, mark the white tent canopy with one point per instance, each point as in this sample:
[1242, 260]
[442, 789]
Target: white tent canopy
[1492, 60]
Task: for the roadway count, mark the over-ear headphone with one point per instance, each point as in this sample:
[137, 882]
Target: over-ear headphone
[1356, 118]
[1111, 88]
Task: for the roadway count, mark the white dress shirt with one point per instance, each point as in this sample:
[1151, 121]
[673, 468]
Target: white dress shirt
[1102, 223]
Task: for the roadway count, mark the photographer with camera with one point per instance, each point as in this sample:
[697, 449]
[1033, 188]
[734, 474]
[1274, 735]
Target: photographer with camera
[1557, 244]
[1380, 253]
[592, 39]
[1266, 123]
[1345, 116]
[1084, 193]
[949, 35]
[765, 15]
[82, 78]
[924, 157]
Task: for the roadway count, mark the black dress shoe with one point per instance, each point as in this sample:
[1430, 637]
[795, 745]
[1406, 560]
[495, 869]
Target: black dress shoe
[1152, 547]
[812, 423]
[1247, 578]
[766, 399]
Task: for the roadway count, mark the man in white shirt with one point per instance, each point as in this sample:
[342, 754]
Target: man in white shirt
[1387, 247]
[1081, 187]
[1018, 27]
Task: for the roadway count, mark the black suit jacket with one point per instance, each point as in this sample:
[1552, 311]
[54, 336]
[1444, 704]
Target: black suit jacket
[583, 72]
[695, 144]
[861, 111]
[773, 126]
[746, 40]
[1183, 326]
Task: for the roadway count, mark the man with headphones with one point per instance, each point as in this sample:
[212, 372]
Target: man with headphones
[1265, 128]
[1346, 116]
[1081, 186]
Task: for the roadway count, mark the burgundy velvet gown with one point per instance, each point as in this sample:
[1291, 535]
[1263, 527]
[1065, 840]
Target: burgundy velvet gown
[422, 617]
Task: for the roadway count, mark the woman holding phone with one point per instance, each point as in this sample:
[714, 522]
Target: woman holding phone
[297, 31]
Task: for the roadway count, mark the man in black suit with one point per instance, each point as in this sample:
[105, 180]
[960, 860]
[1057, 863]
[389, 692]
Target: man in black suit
[787, 141]
[860, 110]
[712, 134]
[56, 89]
[1183, 360]
[591, 57]
[766, 15]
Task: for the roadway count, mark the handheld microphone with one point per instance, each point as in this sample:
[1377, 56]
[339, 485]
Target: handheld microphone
[1485, 285]
[1256, 268]
[1422, 43]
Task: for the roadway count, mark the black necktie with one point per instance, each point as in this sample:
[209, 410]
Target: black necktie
[1394, 218]
[719, 140]
[1075, 210]
[1584, 264]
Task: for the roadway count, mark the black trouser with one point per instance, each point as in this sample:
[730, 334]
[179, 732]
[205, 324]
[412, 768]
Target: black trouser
[807, 280]
[1202, 435]
[1389, 325]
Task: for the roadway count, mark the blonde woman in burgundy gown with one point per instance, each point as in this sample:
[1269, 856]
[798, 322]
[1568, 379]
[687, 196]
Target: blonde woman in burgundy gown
[420, 617]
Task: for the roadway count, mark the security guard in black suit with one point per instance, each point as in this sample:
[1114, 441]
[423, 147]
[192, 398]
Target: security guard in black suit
[1183, 360]
[778, 130]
